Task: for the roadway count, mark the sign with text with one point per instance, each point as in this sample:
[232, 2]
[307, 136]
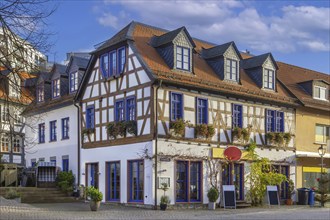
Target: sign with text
[272, 195]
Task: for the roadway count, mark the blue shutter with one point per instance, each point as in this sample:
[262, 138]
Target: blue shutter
[273, 120]
[240, 117]
[282, 122]
[232, 115]
[92, 118]
[266, 120]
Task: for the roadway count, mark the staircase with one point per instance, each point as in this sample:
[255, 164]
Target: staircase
[40, 195]
[240, 204]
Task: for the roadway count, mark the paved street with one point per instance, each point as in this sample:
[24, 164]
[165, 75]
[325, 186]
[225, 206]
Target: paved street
[13, 210]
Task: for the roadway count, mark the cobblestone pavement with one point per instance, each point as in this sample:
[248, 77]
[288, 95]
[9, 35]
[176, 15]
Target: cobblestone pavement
[10, 209]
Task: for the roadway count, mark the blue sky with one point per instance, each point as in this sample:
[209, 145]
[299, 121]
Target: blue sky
[296, 32]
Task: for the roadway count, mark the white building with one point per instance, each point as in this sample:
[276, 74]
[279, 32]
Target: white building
[144, 79]
[52, 117]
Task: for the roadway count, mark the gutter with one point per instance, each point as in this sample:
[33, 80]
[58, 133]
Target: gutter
[156, 139]
[78, 141]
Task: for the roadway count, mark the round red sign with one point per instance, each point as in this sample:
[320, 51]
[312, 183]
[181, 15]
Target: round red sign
[232, 153]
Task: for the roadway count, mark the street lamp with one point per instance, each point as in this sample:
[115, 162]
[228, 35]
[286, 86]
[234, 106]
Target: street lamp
[321, 153]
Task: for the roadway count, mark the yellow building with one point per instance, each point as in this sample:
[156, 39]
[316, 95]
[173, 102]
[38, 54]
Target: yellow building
[312, 121]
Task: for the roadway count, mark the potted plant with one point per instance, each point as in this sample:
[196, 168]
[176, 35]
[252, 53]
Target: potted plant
[213, 195]
[131, 127]
[95, 198]
[178, 127]
[287, 138]
[164, 199]
[204, 131]
[290, 191]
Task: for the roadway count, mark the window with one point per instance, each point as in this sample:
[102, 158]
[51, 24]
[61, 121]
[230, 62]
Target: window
[182, 58]
[274, 121]
[237, 116]
[269, 79]
[105, 65]
[17, 145]
[40, 93]
[52, 126]
[136, 181]
[120, 110]
[121, 59]
[176, 106]
[320, 93]
[130, 109]
[73, 81]
[33, 162]
[113, 63]
[202, 111]
[113, 181]
[65, 164]
[5, 114]
[56, 88]
[90, 116]
[231, 70]
[322, 133]
[188, 181]
[65, 128]
[53, 160]
[4, 143]
[41, 132]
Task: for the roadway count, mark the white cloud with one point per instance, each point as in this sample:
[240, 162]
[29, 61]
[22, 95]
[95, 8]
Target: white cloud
[295, 28]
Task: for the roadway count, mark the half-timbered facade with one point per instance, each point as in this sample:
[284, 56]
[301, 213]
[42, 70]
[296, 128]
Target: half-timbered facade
[155, 105]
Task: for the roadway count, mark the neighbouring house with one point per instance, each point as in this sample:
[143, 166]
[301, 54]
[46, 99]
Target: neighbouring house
[145, 100]
[312, 121]
[53, 118]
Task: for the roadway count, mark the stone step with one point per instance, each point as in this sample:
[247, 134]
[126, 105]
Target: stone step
[57, 199]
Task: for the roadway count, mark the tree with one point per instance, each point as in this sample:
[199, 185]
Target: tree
[23, 34]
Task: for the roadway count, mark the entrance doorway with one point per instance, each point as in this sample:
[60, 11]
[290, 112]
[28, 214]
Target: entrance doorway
[92, 174]
[233, 174]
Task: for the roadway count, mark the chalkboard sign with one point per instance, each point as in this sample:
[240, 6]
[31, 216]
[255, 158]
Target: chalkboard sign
[272, 195]
[229, 197]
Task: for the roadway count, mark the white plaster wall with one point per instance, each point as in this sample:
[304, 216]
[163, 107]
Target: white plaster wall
[121, 153]
[58, 148]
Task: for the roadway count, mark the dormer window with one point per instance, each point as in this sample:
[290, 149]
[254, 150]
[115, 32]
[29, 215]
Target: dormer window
[269, 76]
[113, 63]
[73, 81]
[320, 93]
[182, 58]
[231, 70]
[56, 88]
[40, 93]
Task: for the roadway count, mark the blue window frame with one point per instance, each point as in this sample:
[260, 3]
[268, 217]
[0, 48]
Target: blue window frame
[113, 63]
[274, 121]
[41, 132]
[120, 114]
[65, 128]
[52, 126]
[136, 181]
[176, 106]
[53, 160]
[231, 70]
[269, 79]
[113, 181]
[202, 111]
[121, 59]
[130, 109]
[188, 181]
[279, 121]
[56, 88]
[105, 65]
[65, 165]
[237, 116]
[90, 116]
[182, 58]
[73, 81]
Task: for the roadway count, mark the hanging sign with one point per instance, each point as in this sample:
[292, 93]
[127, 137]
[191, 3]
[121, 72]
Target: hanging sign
[232, 153]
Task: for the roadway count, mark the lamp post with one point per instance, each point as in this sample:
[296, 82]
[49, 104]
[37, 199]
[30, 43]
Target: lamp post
[321, 151]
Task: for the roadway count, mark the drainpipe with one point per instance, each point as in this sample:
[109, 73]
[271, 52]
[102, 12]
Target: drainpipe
[156, 139]
[78, 141]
